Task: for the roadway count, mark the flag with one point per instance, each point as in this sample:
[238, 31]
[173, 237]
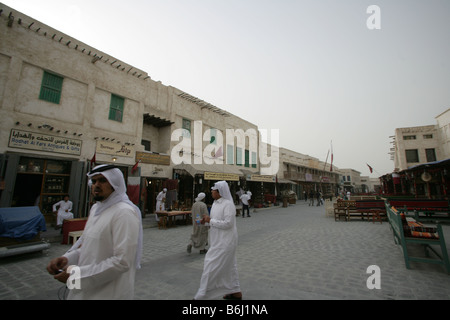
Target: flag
[370, 168]
[331, 163]
[219, 153]
[93, 160]
[135, 167]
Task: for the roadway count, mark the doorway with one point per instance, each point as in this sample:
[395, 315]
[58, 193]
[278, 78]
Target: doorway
[27, 190]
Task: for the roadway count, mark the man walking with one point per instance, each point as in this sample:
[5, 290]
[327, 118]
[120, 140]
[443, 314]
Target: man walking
[199, 236]
[111, 243]
[220, 275]
[245, 204]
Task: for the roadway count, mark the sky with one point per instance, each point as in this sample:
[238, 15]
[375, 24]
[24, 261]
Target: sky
[317, 70]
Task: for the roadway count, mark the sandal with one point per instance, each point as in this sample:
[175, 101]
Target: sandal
[233, 296]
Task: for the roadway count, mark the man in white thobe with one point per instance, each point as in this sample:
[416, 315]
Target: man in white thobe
[64, 212]
[108, 253]
[220, 274]
[161, 202]
[199, 236]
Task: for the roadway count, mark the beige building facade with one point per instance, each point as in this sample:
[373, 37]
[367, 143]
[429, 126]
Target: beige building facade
[422, 144]
[65, 106]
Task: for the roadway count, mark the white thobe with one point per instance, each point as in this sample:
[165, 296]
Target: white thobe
[160, 204]
[107, 257]
[64, 211]
[220, 275]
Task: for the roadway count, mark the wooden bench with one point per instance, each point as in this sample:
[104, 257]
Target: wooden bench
[340, 210]
[413, 232]
[424, 209]
[374, 209]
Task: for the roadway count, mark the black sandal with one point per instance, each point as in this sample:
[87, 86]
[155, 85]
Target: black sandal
[232, 296]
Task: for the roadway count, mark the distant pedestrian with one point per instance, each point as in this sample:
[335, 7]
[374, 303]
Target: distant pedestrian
[305, 195]
[311, 198]
[319, 198]
[199, 236]
[245, 204]
[220, 274]
[160, 202]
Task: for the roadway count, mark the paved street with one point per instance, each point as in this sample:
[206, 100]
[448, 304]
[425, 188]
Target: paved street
[284, 253]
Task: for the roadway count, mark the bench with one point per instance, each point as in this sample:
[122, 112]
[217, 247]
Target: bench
[412, 232]
[374, 209]
[424, 209]
[75, 235]
[340, 210]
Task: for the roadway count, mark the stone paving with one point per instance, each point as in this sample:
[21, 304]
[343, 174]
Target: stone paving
[293, 253]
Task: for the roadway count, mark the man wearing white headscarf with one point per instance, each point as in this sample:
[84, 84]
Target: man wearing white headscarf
[109, 251]
[199, 236]
[161, 202]
[220, 275]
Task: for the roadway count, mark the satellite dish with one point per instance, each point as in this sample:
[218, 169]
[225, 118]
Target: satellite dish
[426, 176]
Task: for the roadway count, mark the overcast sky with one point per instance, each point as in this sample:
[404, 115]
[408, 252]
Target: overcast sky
[310, 68]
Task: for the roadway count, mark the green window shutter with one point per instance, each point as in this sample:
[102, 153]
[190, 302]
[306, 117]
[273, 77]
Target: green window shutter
[247, 159]
[116, 108]
[51, 88]
[186, 125]
[238, 156]
[230, 154]
[253, 159]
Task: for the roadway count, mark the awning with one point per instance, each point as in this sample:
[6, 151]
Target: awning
[156, 121]
[219, 171]
[286, 181]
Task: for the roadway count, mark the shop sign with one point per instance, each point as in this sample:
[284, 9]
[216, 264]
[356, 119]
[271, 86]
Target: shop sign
[153, 158]
[262, 178]
[221, 176]
[115, 149]
[43, 142]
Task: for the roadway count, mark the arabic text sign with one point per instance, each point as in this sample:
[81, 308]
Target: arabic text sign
[43, 142]
[115, 149]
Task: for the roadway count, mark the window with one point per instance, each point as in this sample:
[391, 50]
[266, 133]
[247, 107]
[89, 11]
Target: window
[230, 154]
[51, 88]
[253, 159]
[186, 125]
[412, 155]
[430, 154]
[147, 145]
[247, 158]
[212, 139]
[238, 156]
[428, 136]
[116, 108]
[409, 137]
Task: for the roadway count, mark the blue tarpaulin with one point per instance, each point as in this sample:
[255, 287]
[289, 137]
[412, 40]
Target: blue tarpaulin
[21, 223]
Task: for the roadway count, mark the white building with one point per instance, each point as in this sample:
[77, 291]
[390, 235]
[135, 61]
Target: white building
[418, 145]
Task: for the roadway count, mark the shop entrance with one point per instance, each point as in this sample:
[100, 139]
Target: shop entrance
[27, 190]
